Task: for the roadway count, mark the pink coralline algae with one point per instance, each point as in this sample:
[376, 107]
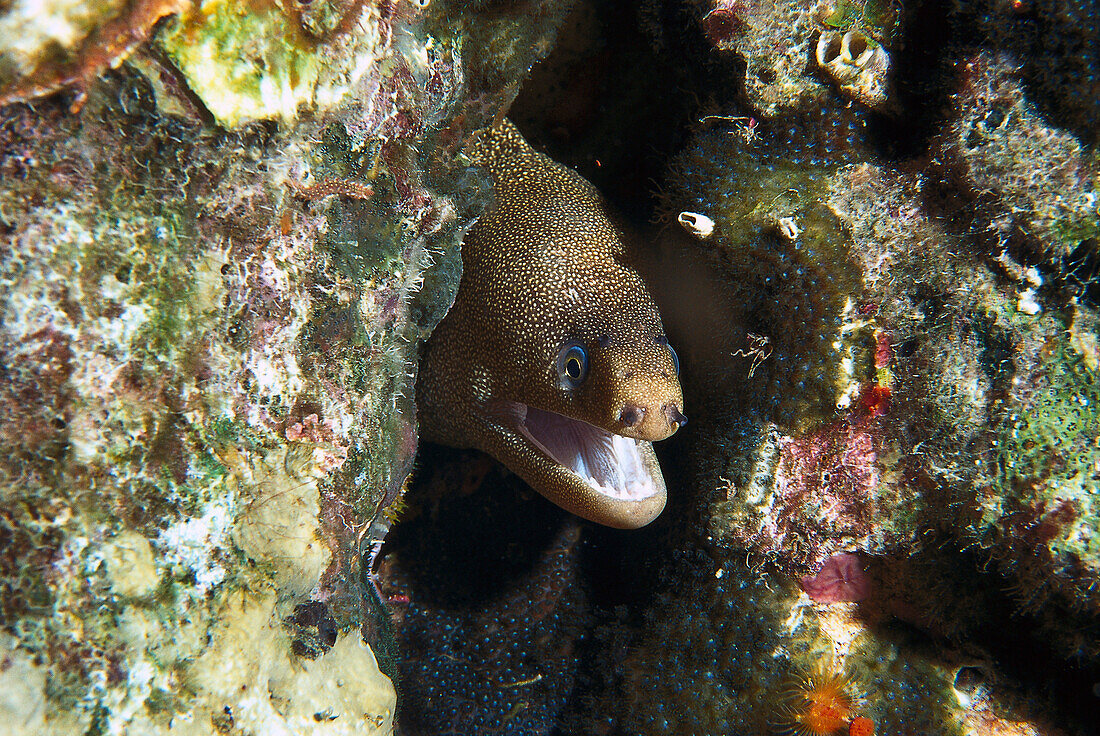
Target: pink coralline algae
[330, 453]
[884, 351]
[825, 494]
[841, 578]
[825, 486]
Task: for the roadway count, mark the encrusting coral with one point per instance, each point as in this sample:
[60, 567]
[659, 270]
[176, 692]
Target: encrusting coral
[1033, 186]
[847, 38]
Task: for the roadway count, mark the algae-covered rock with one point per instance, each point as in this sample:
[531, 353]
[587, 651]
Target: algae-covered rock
[937, 400]
[151, 479]
[254, 61]
[883, 367]
[1030, 180]
[45, 47]
[208, 345]
[847, 39]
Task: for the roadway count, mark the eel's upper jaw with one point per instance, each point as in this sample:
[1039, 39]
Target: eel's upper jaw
[597, 475]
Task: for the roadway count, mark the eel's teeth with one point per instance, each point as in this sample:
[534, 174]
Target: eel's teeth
[608, 463]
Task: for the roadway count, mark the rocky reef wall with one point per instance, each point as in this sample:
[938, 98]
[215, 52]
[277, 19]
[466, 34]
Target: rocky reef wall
[888, 341]
[872, 228]
[227, 228]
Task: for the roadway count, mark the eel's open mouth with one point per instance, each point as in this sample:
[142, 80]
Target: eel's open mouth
[610, 464]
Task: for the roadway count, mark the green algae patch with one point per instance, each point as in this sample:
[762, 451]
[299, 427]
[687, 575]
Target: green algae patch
[1048, 456]
[246, 61]
[249, 61]
[879, 18]
[1053, 438]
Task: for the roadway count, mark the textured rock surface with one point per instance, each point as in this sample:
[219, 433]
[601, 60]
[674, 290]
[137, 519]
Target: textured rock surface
[846, 39]
[879, 353]
[213, 292]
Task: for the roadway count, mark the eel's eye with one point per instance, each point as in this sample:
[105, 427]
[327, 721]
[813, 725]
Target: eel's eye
[572, 364]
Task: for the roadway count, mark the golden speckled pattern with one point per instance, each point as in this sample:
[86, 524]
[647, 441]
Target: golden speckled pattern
[546, 267]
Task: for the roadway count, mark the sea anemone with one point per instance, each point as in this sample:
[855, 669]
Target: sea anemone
[819, 704]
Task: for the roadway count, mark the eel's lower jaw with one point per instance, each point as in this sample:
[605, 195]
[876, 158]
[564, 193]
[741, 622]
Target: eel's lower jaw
[589, 471]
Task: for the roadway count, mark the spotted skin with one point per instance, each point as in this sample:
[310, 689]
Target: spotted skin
[545, 266]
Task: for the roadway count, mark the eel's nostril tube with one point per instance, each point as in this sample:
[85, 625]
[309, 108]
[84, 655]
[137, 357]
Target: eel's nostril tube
[675, 418]
[631, 415]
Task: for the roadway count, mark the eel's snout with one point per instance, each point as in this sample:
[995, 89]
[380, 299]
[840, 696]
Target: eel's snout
[636, 391]
[650, 422]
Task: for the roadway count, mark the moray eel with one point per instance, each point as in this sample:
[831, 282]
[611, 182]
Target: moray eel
[553, 358]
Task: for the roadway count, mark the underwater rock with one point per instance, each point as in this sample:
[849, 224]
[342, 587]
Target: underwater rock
[891, 378]
[45, 47]
[1054, 44]
[776, 38]
[985, 406]
[880, 381]
[208, 342]
[1030, 185]
[248, 61]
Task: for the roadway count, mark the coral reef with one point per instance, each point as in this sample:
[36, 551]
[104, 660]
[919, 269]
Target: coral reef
[880, 355]
[215, 284]
[229, 225]
[47, 48]
[948, 420]
[892, 379]
[1055, 44]
[1032, 185]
